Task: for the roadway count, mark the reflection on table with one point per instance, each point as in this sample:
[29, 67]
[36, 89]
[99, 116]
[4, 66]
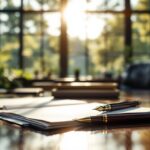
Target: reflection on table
[127, 137]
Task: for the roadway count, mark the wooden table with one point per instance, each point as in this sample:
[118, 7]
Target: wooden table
[22, 91]
[127, 137]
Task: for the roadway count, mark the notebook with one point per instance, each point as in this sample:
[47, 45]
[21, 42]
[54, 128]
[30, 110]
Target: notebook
[58, 116]
[35, 102]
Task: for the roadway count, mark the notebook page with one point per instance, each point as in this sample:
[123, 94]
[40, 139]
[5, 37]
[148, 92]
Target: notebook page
[58, 113]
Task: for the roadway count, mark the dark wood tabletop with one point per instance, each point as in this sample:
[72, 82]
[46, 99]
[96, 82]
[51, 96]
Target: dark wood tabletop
[121, 137]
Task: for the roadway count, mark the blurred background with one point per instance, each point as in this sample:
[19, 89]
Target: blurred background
[56, 38]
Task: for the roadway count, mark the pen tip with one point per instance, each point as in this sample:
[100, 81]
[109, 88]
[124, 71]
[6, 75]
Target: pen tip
[99, 108]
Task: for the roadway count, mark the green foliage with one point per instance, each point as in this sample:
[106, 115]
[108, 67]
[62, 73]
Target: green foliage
[23, 74]
[5, 82]
[1, 71]
[141, 33]
[143, 5]
[107, 51]
[37, 43]
[41, 50]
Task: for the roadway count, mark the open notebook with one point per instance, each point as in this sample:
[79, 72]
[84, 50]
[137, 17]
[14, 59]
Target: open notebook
[35, 102]
[51, 114]
[57, 114]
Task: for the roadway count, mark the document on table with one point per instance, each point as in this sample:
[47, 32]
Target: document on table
[13, 103]
[59, 114]
[34, 102]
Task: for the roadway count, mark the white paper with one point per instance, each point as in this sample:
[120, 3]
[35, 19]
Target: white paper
[67, 110]
[58, 113]
[31, 102]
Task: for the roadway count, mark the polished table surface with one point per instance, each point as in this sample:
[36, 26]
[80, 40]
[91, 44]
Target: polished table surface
[126, 137]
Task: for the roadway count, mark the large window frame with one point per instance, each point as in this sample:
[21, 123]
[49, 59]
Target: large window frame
[63, 59]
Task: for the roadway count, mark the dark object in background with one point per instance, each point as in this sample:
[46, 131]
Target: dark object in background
[77, 74]
[86, 94]
[137, 76]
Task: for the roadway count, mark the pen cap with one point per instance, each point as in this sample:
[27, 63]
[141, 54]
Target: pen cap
[128, 118]
[124, 104]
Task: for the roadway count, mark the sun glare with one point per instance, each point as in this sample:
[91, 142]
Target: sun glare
[81, 25]
[75, 19]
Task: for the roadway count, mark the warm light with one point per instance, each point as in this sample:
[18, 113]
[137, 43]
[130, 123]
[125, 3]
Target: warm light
[95, 27]
[53, 23]
[79, 24]
[74, 141]
[75, 19]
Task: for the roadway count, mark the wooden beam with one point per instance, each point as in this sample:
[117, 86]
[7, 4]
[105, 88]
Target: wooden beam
[63, 43]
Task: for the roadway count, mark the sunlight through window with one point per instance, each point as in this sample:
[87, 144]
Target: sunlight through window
[79, 24]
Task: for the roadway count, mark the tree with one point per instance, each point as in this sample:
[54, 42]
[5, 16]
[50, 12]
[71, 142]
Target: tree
[39, 46]
[107, 50]
[9, 44]
[141, 32]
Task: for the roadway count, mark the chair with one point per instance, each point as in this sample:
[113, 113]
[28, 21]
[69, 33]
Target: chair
[137, 76]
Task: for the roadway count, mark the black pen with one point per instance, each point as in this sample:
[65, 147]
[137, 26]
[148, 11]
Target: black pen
[118, 106]
[117, 118]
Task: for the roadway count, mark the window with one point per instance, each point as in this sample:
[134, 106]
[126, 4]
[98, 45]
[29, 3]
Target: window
[92, 32]
[30, 34]
[141, 37]
[140, 5]
[9, 40]
[58, 36]
[141, 30]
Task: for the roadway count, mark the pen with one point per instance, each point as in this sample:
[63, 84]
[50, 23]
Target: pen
[118, 106]
[117, 118]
